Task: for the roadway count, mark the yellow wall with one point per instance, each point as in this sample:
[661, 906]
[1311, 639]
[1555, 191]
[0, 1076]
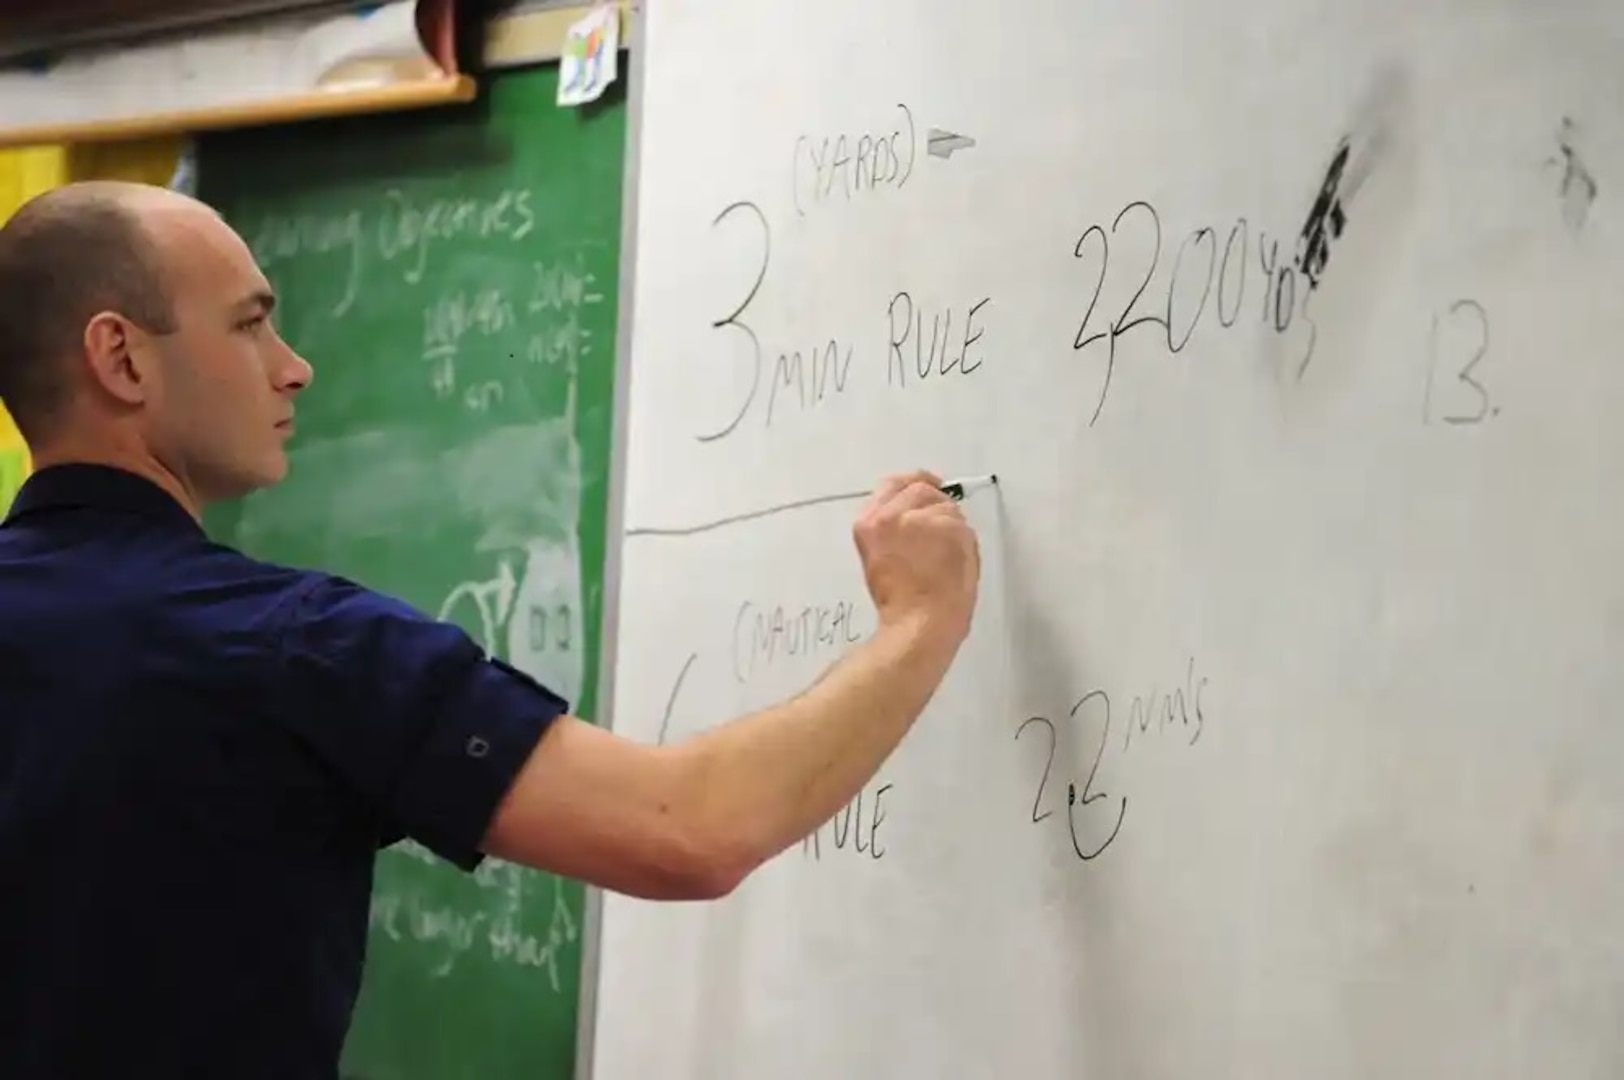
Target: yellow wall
[26, 173]
[23, 174]
[13, 460]
[150, 161]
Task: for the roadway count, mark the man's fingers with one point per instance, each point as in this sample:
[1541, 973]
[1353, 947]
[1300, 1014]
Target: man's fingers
[886, 489]
[890, 487]
[938, 513]
[917, 496]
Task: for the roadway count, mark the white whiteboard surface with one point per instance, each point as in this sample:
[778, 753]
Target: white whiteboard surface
[1321, 610]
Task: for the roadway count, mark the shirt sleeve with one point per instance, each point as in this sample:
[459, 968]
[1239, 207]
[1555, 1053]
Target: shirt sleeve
[409, 711]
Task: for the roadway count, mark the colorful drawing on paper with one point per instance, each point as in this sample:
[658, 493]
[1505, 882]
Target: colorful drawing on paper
[590, 58]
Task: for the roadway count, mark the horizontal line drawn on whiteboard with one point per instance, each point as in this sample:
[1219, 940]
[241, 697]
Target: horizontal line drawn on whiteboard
[956, 489]
[749, 515]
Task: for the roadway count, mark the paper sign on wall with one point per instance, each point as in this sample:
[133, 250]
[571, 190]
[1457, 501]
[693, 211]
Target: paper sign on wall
[591, 56]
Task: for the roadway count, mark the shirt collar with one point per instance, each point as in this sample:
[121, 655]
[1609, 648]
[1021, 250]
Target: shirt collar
[97, 487]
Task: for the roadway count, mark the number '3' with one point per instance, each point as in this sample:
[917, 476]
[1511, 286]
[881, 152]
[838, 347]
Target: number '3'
[733, 319]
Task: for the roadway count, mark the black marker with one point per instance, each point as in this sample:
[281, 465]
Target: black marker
[957, 489]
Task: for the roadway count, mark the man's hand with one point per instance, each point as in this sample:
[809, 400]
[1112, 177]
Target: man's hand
[920, 556]
[691, 820]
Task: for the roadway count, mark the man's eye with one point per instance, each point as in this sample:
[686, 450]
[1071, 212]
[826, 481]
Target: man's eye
[253, 324]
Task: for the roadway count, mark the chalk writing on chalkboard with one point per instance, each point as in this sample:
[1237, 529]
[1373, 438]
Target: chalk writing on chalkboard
[464, 321]
[466, 329]
[401, 231]
[496, 928]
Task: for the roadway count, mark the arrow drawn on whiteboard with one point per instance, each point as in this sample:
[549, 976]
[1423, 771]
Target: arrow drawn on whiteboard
[944, 144]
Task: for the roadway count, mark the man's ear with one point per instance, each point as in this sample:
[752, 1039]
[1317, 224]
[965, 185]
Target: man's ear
[114, 348]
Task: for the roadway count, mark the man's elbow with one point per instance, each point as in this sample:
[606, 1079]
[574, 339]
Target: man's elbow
[705, 848]
[711, 880]
[706, 864]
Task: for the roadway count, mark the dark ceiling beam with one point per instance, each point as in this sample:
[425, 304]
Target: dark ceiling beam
[31, 28]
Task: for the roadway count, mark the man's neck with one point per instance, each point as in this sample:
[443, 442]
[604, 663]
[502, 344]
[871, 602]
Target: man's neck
[143, 465]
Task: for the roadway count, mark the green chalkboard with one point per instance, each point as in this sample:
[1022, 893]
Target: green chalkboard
[451, 275]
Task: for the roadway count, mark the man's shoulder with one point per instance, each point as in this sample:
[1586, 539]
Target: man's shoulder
[319, 611]
[209, 575]
[213, 557]
[298, 594]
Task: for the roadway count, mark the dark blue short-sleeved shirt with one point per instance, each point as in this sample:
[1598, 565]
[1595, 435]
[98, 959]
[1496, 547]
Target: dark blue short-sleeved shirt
[200, 755]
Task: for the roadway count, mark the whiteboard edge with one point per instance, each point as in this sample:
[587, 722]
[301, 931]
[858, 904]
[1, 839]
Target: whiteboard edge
[586, 1020]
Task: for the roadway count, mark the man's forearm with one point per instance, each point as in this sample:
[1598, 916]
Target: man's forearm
[761, 783]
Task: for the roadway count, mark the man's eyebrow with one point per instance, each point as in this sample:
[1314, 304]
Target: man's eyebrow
[261, 299]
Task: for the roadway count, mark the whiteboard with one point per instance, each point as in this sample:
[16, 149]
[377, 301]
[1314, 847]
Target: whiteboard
[1285, 743]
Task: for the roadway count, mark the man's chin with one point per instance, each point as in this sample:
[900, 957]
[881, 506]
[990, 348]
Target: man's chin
[275, 474]
[247, 482]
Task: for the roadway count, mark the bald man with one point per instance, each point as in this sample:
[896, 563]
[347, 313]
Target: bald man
[200, 753]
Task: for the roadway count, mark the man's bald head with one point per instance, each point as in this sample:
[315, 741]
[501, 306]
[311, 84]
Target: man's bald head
[66, 256]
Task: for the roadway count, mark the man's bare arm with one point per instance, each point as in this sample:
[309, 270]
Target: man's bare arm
[689, 821]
